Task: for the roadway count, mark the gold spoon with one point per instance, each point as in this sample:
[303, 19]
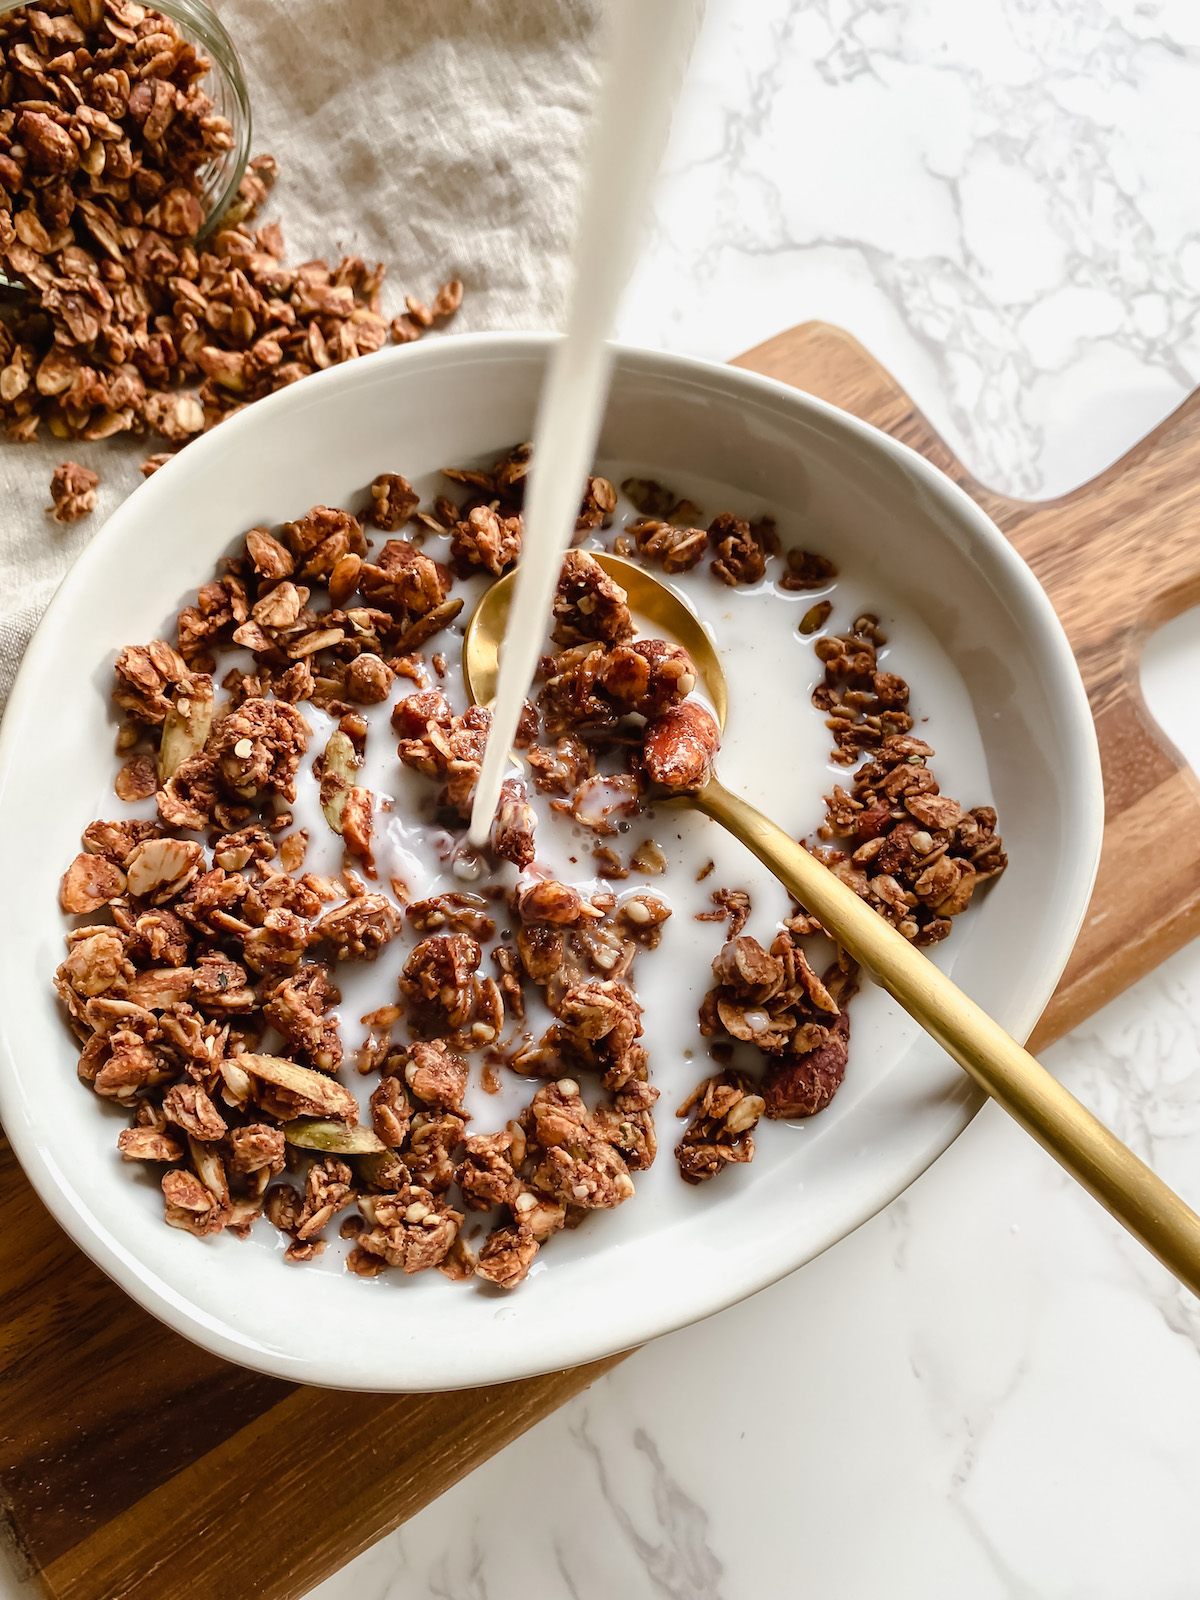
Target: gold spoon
[1078, 1141]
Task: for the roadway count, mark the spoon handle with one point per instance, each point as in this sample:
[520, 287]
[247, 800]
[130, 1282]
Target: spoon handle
[1079, 1142]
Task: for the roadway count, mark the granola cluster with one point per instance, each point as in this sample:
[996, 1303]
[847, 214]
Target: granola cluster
[204, 980]
[669, 532]
[129, 324]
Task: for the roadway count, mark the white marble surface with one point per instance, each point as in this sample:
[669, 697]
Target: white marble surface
[987, 1393]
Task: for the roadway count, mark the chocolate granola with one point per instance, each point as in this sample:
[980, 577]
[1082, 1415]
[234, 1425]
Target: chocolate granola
[204, 980]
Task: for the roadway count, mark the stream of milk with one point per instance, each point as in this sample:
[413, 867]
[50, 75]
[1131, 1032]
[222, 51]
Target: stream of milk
[639, 83]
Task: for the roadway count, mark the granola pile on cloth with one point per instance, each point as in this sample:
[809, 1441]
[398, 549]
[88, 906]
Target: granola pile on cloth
[398, 142]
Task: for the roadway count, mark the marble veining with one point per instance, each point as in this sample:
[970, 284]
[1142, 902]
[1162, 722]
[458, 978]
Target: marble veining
[990, 194]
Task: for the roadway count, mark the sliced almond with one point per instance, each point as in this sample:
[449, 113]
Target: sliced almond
[186, 725]
[322, 1093]
[337, 777]
[210, 1169]
[88, 883]
[159, 869]
[161, 987]
[238, 1084]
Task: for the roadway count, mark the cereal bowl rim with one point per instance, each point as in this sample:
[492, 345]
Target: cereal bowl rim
[634, 1323]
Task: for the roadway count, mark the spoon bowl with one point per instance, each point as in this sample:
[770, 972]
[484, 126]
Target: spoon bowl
[647, 597]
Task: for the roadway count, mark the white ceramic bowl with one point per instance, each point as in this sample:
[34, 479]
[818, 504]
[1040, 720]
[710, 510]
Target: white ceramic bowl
[414, 410]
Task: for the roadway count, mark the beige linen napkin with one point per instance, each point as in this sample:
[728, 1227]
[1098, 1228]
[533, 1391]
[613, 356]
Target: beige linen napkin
[439, 136]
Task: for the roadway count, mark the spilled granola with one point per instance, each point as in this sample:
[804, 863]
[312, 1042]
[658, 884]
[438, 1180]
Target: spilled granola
[129, 324]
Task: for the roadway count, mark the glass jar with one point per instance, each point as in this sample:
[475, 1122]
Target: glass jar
[226, 87]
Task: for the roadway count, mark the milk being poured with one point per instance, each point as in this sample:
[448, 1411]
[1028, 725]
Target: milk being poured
[646, 49]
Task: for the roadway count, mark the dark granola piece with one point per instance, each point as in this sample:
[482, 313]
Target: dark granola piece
[189, 1108]
[547, 900]
[724, 1110]
[298, 1005]
[146, 678]
[452, 750]
[773, 1000]
[597, 507]
[233, 851]
[485, 1174]
[391, 1112]
[433, 1137]
[585, 1172]
[359, 929]
[563, 769]
[593, 685]
[413, 715]
[504, 481]
[802, 1085]
[436, 1075]
[404, 581]
[452, 913]
[914, 854]
[191, 1206]
[444, 998]
[136, 780]
[807, 570]
[675, 549]
[575, 1164]
[319, 540]
[506, 1256]
[159, 938]
[508, 965]
[257, 1148]
[412, 1229]
[145, 1144]
[628, 1124]
[328, 1189]
[513, 829]
[729, 905]
[740, 556]
[270, 558]
[257, 749]
[72, 492]
[598, 1028]
[89, 882]
[588, 604]
[393, 501]
[485, 539]
[368, 679]
[865, 706]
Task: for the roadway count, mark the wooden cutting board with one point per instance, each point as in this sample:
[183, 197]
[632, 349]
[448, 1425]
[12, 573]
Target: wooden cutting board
[133, 1464]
